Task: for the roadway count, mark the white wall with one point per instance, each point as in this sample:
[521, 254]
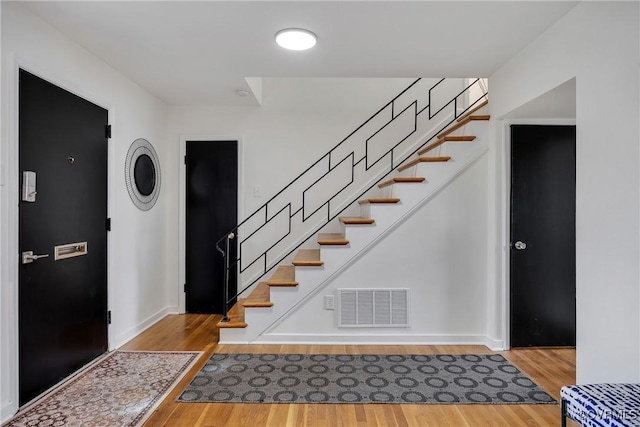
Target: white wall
[438, 253]
[299, 121]
[138, 249]
[598, 44]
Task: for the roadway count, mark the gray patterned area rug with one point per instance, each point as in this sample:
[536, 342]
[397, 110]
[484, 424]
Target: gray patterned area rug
[342, 378]
[121, 389]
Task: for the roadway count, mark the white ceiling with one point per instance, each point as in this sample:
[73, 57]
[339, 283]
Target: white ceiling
[199, 52]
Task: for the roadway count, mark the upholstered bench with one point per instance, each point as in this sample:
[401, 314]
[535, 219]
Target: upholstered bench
[601, 404]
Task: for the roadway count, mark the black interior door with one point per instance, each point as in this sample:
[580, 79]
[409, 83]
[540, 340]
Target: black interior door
[62, 303]
[543, 263]
[211, 211]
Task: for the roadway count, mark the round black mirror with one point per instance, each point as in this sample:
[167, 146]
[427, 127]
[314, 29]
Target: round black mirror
[144, 174]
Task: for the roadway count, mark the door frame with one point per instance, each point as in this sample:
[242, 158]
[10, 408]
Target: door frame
[182, 301]
[505, 225]
[9, 213]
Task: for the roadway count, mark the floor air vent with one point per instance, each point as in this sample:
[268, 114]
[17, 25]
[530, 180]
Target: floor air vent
[373, 308]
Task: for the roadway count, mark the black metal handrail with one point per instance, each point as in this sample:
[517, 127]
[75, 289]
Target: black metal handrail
[233, 233]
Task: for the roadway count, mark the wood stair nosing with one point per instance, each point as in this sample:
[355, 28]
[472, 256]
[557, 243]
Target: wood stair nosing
[259, 297]
[307, 258]
[431, 146]
[464, 120]
[424, 160]
[379, 200]
[332, 239]
[453, 128]
[356, 221]
[435, 159]
[473, 110]
[480, 117]
[443, 139]
[236, 317]
[459, 138]
[285, 275]
[402, 179]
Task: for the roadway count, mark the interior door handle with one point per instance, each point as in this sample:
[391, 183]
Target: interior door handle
[28, 257]
[520, 245]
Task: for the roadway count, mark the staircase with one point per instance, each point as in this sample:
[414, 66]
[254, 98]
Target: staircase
[331, 250]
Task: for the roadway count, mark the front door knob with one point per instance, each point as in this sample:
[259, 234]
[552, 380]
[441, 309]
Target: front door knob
[520, 245]
[28, 257]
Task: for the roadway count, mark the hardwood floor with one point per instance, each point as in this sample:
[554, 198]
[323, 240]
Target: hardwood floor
[550, 368]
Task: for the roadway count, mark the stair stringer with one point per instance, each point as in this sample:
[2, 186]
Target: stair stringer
[311, 280]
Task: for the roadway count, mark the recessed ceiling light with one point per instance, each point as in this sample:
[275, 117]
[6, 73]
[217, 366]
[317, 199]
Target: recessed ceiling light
[296, 39]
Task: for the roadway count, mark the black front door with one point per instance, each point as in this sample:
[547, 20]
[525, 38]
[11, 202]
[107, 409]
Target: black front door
[63, 302]
[211, 211]
[543, 260]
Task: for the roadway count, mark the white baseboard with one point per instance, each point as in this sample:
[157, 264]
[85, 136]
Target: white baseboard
[380, 339]
[173, 309]
[131, 333]
[7, 410]
[495, 345]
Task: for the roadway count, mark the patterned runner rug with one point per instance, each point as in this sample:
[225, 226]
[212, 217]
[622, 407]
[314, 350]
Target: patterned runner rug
[324, 378]
[122, 389]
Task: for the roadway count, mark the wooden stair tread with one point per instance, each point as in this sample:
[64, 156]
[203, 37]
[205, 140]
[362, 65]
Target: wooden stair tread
[462, 123]
[424, 160]
[236, 317]
[357, 220]
[332, 239]
[402, 179]
[259, 297]
[459, 138]
[431, 146]
[443, 139]
[435, 159]
[473, 110]
[307, 258]
[465, 119]
[480, 117]
[453, 128]
[378, 200]
[285, 275]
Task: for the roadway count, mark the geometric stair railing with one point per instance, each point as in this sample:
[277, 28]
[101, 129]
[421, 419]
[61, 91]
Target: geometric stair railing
[384, 142]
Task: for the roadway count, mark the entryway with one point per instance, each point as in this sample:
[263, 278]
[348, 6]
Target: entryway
[62, 234]
[543, 242]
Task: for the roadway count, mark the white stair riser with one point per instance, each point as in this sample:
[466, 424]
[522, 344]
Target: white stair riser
[358, 232]
[455, 149]
[235, 336]
[331, 254]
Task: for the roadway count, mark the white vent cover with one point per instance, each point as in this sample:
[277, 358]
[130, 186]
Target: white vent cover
[373, 308]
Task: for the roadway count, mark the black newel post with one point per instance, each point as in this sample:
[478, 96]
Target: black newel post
[225, 317]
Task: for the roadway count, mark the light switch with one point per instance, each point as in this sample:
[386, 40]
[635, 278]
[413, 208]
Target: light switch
[329, 302]
[257, 191]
